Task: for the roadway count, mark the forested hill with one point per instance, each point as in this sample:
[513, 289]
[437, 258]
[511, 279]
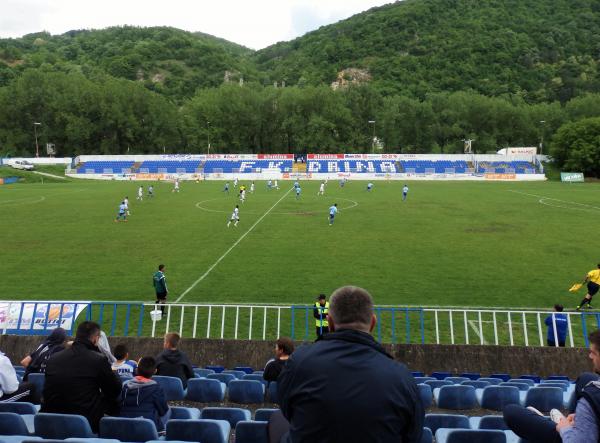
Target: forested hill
[542, 50]
[172, 62]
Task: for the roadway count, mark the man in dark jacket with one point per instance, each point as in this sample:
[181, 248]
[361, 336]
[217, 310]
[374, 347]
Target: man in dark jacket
[172, 362]
[79, 379]
[345, 387]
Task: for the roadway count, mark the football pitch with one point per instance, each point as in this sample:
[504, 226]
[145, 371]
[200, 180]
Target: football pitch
[473, 244]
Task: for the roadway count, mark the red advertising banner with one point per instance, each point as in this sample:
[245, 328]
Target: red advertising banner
[325, 156]
[275, 156]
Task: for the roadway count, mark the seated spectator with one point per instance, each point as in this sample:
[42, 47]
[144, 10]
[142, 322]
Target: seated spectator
[345, 387]
[123, 366]
[561, 322]
[10, 388]
[143, 397]
[79, 379]
[283, 349]
[581, 427]
[36, 361]
[172, 362]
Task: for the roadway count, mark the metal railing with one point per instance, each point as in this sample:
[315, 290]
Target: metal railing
[268, 322]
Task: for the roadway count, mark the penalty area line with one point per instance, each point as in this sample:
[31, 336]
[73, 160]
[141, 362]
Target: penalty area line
[237, 242]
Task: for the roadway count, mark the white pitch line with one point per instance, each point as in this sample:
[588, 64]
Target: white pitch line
[542, 198]
[476, 330]
[203, 276]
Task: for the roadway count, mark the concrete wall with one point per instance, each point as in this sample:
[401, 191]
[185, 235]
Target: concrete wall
[427, 358]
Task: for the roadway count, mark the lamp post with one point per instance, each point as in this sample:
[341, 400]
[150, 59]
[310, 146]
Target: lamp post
[37, 148]
[207, 137]
[372, 122]
[542, 122]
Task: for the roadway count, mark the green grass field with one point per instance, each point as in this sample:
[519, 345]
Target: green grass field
[450, 244]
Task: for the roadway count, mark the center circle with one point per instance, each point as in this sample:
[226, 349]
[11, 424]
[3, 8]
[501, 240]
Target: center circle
[199, 205]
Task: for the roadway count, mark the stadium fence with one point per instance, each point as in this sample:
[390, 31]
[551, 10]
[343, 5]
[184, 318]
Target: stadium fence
[414, 325]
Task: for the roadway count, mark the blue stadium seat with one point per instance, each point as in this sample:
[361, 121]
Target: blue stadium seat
[426, 436]
[504, 377]
[418, 374]
[202, 430]
[544, 399]
[558, 377]
[257, 377]
[456, 397]
[236, 374]
[477, 384]
[12, 424]
[489, 422]
[530, 382]
[217, 369]
[456, 380]
[522, 386]
[223, 378]
[273, 398]
[232, 415]
[534, 378]
[38, 380]
[172, 386]
[183, 413]
[469, 436]
[252, 432]
[554, 384]
[245, 369]
[264, 414]
[491, 380]
[426, 394]
[202, 372]
[438, 383]
[61, 426]
[440, 375]
[18, 407]
[205, 390]
[436, 421]
[497, 397]
[21, 439]
[128, 429]
[246, 391]
[471, 375]
[423, 379]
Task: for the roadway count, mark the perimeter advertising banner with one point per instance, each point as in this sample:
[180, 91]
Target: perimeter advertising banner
[571, 177]
[38, 317]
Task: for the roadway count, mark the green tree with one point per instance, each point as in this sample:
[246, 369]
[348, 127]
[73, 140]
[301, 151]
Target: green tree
[576, 146]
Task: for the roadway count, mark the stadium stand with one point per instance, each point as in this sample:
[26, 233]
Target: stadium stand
[105, 167]
[205, 390]
[246, 391]
[357, 166]
[246, 166]
[172, 386]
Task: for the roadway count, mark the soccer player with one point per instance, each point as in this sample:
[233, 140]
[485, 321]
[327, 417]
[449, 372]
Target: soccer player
[404, 192]
[235, 216]
[176, 188]
[140, 193]
[150, 191]
[126, 201]
[252, 188]
[226, 188]
[160, 286]
[122, 215]
[269, 185]
[321, 189]
[369, 186]
[342, 182]
[332, 211]
[243, 195]
[276, 185]
[296, 184]
[592, 279]
[235, 182]
[298, 191]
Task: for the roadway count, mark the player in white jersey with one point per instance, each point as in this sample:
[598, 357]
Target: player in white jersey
[176, 187]
[321, 189]
[235, 216]
[243, 195]
[269, 185]
[126, 203]
[252, 188]
[369, 186]
[235, 181]
[140, 193]
[276, 184]
[404, 192]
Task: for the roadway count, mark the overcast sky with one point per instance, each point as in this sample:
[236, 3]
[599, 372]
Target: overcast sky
[255, 24]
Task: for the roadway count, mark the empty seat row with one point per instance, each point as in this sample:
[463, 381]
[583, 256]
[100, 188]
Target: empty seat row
[442, 375]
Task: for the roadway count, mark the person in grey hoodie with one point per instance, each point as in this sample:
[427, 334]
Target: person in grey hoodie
[172, 362]
[143, 397]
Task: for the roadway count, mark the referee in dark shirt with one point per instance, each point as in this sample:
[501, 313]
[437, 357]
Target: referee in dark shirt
[283, 349]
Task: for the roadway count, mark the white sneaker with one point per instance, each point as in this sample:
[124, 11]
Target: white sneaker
[532, 409]
[556, 416]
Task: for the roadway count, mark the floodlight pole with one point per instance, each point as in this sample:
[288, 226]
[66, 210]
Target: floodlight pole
[372, 122]
[37, 148]
[207, 137]
[542, 122]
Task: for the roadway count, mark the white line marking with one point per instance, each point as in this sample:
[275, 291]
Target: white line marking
[23, 201]
[203, 276]
[199, 206]
[544, 201]
[476, 330]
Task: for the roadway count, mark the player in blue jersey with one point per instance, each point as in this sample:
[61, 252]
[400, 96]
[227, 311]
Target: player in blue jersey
[150, 191]
[404, 192]
[369, 186]
[269, 185]
[298, 191]
[332, 211]
[122, 215]
[226, 188]
[296, 184]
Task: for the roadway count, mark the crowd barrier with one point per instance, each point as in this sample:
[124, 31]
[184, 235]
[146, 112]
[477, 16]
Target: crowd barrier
[396, 325]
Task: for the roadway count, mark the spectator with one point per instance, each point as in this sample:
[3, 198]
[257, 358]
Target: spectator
[561, 322]
[79, 379]
[10, 388]
[123, 366]
[143, 397]
[345, 387]
[172, 362]
[581, 427]
[320, 313]
[283, 349]
[104, 347]
[36, 361]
